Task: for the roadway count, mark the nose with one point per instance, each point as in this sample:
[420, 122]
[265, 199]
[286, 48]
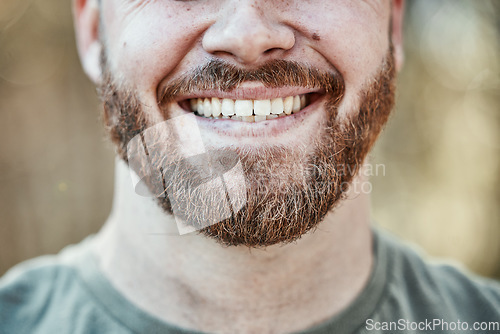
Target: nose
[248, 34]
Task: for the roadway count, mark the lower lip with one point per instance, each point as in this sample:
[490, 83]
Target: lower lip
[271, 128]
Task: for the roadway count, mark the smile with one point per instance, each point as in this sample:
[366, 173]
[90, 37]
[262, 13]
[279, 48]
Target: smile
[248, 110]
[253, 115]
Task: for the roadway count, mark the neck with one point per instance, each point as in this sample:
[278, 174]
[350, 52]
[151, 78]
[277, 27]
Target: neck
[193, 282]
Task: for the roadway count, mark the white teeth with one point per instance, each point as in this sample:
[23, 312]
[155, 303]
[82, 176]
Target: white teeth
[277, 106]
[259, 118]
[296, 104]
[216, 107]
[288, 105]
[248, 119]
[227, 107]
[302, 101]
[207, 108]
[243, 107]
[199, 102]
[194, 104]
[262, 107]
[247, 110]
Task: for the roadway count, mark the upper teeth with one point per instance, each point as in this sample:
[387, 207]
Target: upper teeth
[248, 110]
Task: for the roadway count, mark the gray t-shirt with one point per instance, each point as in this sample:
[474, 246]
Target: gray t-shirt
[67, 293]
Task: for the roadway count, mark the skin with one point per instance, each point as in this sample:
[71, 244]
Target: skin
[245, 290]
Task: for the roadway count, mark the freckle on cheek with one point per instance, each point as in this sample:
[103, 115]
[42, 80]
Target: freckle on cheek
[316, 37]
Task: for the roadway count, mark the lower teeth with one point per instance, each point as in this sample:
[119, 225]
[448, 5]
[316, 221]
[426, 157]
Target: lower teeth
[249, 119]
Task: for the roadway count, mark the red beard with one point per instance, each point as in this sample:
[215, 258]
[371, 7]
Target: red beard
[284, 193]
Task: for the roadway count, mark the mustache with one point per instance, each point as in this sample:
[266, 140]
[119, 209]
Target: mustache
[220, 75]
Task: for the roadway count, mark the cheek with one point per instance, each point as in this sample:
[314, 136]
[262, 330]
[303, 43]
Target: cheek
[149, 41]
[352, 37]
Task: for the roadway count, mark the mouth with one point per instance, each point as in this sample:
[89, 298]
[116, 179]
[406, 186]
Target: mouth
[248, 110]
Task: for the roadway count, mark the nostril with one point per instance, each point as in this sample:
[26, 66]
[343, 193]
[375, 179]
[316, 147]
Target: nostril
[247, 36]
[272, 51]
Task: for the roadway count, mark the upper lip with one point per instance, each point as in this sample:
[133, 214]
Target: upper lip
[250, 93]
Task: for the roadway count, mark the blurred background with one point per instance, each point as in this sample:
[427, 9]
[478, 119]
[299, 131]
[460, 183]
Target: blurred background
[440, 182]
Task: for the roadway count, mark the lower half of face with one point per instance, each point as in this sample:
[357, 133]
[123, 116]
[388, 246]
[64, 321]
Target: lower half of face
[249, 183]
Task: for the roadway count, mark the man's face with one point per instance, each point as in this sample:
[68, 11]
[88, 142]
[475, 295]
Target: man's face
[164, 60]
